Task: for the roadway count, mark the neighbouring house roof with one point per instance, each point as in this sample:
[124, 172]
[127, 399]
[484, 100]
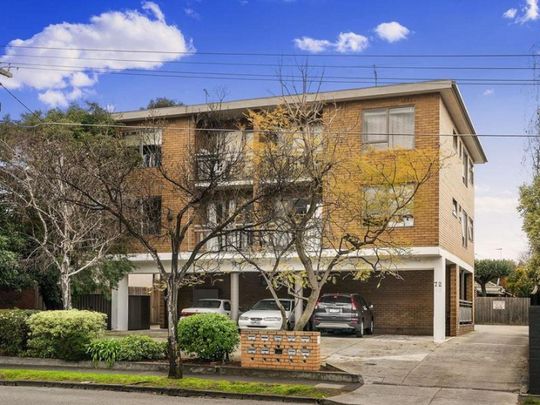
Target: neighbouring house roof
[448, 90]
[493, 290]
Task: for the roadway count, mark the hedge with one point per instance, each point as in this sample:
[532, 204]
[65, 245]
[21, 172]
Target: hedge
[64, 334]
[14, 331]
[129, 348]
[209, 336]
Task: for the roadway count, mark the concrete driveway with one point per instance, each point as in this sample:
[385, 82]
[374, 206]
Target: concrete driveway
[485, 366]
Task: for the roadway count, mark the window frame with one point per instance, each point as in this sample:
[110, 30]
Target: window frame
[455, 207]
[405, 220]
[390, 138]
[464, 229]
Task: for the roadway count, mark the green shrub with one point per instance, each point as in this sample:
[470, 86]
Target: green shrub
[209, 336]
[105, 350]
[139, 348]
[129, 348]
[14, 331]
[64, 334]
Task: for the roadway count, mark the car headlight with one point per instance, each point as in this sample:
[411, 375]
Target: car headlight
[272, 318]
[244, 318]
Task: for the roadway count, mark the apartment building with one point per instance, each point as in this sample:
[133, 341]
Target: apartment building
[433, 294]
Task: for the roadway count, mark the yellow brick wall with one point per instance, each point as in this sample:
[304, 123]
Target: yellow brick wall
[433, 203]
[452, 186]
[426, 203]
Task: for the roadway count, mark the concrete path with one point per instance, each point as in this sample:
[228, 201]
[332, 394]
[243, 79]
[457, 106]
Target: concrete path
[486, 366]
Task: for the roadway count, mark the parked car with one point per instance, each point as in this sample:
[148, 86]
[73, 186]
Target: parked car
[208, 306]
[265, 314]
[344, 312]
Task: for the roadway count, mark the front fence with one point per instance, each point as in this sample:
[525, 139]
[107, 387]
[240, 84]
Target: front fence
[139, 308]
[502, 310]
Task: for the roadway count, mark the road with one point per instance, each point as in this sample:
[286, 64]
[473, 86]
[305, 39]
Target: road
[59, 396]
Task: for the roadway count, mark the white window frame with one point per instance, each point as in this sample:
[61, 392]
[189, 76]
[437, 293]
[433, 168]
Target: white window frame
[405, 219]
[389, 143]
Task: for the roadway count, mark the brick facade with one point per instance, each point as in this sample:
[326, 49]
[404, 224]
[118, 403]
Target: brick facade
[279, 349]
[401, 305]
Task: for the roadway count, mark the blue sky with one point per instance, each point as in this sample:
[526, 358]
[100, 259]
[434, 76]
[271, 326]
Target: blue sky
[346, 30]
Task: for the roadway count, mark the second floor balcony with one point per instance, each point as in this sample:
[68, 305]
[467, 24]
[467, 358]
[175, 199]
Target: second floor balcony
[228, 168]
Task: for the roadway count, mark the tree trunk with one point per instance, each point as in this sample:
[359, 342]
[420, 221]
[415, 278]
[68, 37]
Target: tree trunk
[175, 360]
[484, 291]
[308, 310]
[65, 287]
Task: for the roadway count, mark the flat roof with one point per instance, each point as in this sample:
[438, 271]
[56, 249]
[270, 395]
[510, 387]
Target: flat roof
[447, 88]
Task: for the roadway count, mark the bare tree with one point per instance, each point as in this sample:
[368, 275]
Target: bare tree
[172, 204]
[68, 237]
[333, 209]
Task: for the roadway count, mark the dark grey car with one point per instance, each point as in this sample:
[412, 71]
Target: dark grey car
[346, 312]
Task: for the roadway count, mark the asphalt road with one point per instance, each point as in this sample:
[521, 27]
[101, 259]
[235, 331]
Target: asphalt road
[59, 396]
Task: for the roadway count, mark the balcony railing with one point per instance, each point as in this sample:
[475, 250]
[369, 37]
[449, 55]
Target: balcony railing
[244, 239]
[465, 311]
[230, 242]
[232, 166]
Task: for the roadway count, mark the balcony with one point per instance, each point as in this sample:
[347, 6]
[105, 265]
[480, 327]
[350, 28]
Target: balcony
[231, 242]
[465, 311]
[234, 168]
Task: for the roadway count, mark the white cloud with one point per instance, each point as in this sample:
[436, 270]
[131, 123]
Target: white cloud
[530, 11]
[124, 30]
[154, 9]
[190, 12]
[346, 42]
[488, 92]
[498, 225]
[351, 42]
[312, 45]
[392, 31]
[510, 13]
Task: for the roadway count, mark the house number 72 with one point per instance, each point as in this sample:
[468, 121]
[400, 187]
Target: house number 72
[437, 283]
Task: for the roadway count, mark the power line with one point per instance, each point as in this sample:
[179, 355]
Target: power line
[276, 65]
[19, 100]
[412, 55]
[244, 77]
[244, 74]
[358, 132]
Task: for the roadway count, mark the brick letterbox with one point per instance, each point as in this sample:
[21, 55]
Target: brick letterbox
[278, 349]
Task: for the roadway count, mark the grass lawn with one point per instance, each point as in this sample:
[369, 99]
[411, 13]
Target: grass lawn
[531, 401]
[158, 381]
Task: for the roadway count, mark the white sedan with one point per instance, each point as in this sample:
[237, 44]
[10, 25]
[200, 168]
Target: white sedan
[265, 314]
[208, 306]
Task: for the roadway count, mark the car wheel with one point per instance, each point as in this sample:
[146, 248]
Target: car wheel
[371, 328]
[360, 330]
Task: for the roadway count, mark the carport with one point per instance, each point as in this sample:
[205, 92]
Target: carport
[431, 293]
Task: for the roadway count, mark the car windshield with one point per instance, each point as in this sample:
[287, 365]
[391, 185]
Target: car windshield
[207, 304]
[270, 305]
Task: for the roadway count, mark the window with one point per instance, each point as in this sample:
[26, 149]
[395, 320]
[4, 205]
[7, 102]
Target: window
[226, 306]
[471, 230]
[465, 174]
[389, 206]
[151, 216]
[147, 142]
[455, 141]
[151, 155]
[471, 172]
[389, 128]
[464, 229]
[454, 207]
